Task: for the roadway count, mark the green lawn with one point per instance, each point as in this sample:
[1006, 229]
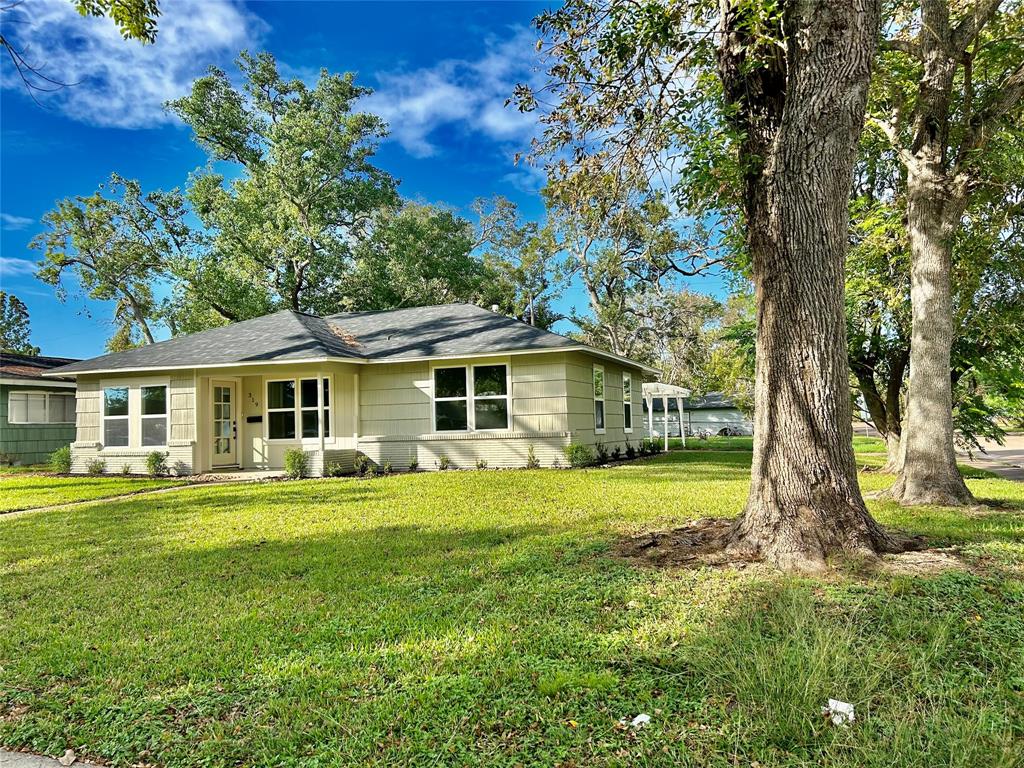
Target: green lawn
[479, 618]
[30, 490]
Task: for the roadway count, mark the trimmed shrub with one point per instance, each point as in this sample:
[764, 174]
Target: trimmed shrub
[602, 453]
[630, 451]
[296, 463]
[532, 462]
[361, 464]
[616, 453]
[481, 463]
[156, 463]
[97, 467]
[387, 468]
[334, 469]
[126, 470]
[579, 455]
[60, 460]
[443, 462]
[414, 464]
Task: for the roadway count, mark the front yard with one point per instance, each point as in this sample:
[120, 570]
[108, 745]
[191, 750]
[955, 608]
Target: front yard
[481, 618]
[28, 490]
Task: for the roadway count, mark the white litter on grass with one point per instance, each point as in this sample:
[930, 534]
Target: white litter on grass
[839, 712]
[68, 758]
[638, 722]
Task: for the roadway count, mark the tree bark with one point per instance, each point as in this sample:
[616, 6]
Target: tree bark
[804, 503]
[929, 473]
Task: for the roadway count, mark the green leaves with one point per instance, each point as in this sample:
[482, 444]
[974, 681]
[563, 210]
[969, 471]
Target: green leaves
[15, 332]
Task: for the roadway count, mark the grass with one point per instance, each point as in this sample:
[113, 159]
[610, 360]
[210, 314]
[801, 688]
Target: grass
[23, 469]
[478, 618]
[31, 490]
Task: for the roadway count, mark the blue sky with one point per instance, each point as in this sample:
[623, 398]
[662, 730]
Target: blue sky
[441, 72]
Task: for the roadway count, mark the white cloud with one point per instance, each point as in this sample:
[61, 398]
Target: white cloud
[11, 222]
[120, 82]
[467, 96]
[9, 267]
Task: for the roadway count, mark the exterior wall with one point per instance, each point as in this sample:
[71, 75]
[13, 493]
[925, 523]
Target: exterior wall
[181, 431]
[31, 443]
[580, 386]
[552, 405]
[383, 411]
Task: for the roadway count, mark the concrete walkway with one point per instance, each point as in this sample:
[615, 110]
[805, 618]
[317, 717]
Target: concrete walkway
[24, 760]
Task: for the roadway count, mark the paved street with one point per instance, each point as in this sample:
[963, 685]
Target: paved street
[1005, 460]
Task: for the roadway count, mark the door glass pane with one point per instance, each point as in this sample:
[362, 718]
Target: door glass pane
[491, 414]
[450, 415]
[309, 424]
[281, 425]
[154, 431]
[154, 401]
[281, 394]
[450, 382]
[115, 401]
[115, 432]
[489, 380]
[307, 390]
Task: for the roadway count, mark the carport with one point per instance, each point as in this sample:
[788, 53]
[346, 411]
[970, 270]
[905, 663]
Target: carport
[655, 390]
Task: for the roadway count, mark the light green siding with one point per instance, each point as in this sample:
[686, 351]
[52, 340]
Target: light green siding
[31, 443]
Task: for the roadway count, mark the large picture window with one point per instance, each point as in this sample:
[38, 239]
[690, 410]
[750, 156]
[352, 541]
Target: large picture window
[40, 408]
[627, 402]
[468, 398]
[293, 409]
[115, 416]
[154, 415]
[598, 399]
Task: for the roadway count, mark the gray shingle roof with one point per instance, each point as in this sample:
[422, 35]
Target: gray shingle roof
[445, 330]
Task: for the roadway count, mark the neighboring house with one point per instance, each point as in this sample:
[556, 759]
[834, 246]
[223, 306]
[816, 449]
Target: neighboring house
[37, 415]
[717, 414]
[405, 385]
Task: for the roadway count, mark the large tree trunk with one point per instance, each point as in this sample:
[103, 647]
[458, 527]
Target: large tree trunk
[804, 503]
[929, 474]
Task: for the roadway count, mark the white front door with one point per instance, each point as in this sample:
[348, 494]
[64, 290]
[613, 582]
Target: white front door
[225, 426]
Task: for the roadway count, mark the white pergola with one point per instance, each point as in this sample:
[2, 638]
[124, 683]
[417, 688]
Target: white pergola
[655, 390]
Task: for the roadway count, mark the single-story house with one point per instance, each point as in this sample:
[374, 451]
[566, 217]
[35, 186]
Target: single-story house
[401, 386]
[37, 415]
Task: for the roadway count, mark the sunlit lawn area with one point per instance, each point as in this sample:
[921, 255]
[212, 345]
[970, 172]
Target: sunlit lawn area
[480, 618]
[29, 490]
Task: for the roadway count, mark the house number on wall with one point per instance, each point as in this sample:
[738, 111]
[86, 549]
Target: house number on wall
[253, 401]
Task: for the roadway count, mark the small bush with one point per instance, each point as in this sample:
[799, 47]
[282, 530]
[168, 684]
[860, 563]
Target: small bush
[630, 451]
[579, 455]
[532, 462]
[602, 453]
[296, 463]
[361, 464]
[414, 464]
[616, 453]
[443, 462]
[60, 460]
[156, 463]
[126, 470]
[334, 469]
[387, 469]
[481, 463]
[97, 467]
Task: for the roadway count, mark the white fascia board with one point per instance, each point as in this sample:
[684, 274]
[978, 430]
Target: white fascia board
[37, 381]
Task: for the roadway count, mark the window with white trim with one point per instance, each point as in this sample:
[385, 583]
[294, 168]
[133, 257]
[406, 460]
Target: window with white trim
[490, 397]
[115, 417]
[451, 399]
[154, 415]
[281, 410]
[599, 399]
[40, 408]
[627, 402]
[293, 408]
[472, 398]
